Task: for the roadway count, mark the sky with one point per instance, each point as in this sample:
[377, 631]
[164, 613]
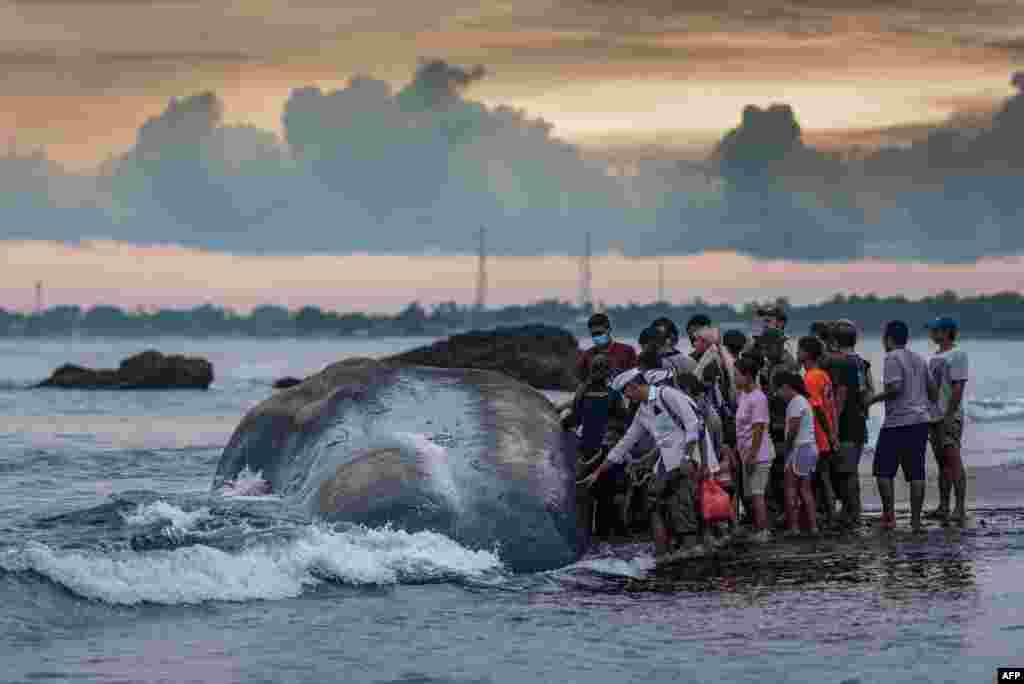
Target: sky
[658, 80]
[600, 71]
[174, 278]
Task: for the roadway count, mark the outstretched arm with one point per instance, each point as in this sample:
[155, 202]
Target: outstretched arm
[619, 453]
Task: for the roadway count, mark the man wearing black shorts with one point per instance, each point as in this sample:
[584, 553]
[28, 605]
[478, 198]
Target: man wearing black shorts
[908, 395]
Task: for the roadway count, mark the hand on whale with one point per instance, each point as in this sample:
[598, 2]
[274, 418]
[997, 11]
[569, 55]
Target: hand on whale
[472, 454]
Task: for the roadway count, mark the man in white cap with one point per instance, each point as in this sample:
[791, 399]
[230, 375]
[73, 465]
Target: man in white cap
[669, 417]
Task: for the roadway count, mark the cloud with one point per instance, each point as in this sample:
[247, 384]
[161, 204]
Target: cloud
[949, 196]
[417, 169]
[363, 168]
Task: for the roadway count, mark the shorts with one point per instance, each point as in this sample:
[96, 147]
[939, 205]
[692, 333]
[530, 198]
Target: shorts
[672, 495]
[756, 481]
[803, 459]
[902, 447]
[847, 461]
[947, 435]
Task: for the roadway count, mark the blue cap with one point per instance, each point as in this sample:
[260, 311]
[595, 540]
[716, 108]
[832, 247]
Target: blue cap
[942, 323]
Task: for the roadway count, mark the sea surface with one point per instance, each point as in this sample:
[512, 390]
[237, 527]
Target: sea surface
[119, 564]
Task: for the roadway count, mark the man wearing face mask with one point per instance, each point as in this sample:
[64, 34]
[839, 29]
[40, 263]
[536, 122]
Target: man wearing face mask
[621, 357]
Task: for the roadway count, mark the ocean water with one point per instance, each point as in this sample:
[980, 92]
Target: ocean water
[118, 564]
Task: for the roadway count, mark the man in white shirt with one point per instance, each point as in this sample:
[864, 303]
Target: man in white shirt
[669, 417]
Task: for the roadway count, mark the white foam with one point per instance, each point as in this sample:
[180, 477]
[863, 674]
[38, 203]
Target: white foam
[180, 520]
[636, 567]
[435, 458]
[274, 571]
[994, 410]
[247, 484]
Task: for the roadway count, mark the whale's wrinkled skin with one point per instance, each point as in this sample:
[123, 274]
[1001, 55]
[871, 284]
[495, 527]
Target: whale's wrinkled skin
[472, 454]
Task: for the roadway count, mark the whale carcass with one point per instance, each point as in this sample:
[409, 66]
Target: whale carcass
[472, 454]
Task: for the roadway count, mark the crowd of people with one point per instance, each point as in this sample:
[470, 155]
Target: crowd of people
[779, 428]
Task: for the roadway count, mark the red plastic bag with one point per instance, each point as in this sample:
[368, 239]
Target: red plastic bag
[715, 505]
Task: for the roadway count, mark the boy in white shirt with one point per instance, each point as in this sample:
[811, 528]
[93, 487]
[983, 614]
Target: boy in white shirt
[949, 370]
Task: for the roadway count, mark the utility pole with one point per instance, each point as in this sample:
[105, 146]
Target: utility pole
[39, 297]
[481, 272]
[586, 302]
[661, 281]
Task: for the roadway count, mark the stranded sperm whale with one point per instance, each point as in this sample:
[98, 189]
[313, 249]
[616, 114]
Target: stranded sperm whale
[472, 454]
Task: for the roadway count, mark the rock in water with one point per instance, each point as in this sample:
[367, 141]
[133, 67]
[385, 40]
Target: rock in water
[148, 370]
[285, 383]
[471, 454]
[539, 355]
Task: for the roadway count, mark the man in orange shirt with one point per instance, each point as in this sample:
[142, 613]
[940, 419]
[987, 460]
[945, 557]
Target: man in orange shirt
[810, 351]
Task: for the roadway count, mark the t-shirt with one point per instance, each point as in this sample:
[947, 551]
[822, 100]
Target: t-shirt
[776, 404]
[850, 371]
[670, 420]
[819, 386]
[907, 372]
[946, 368]
[800, 408]
[596, 408]
[621, 357]
[751, 410]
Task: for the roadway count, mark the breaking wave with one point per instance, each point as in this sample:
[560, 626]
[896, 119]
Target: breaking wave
[178, 520]
[272, 570]
[995, 410]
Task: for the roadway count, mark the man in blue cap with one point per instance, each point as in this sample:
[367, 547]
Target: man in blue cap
[949, 368]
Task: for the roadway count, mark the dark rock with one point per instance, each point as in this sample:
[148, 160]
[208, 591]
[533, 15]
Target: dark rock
[539, 355]
[148, 370]
[285, 383]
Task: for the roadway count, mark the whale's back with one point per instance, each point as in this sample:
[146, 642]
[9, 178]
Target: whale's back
[472, 454]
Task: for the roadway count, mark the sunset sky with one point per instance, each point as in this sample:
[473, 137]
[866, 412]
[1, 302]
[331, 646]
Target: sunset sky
[82, 75]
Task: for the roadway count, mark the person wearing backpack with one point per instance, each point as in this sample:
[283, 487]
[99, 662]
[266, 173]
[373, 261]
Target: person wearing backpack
[597, 411]
[668, 417]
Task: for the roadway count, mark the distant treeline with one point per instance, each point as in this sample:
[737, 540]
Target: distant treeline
[992, 315]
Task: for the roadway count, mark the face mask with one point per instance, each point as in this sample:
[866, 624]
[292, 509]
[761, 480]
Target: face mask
[601, 340]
